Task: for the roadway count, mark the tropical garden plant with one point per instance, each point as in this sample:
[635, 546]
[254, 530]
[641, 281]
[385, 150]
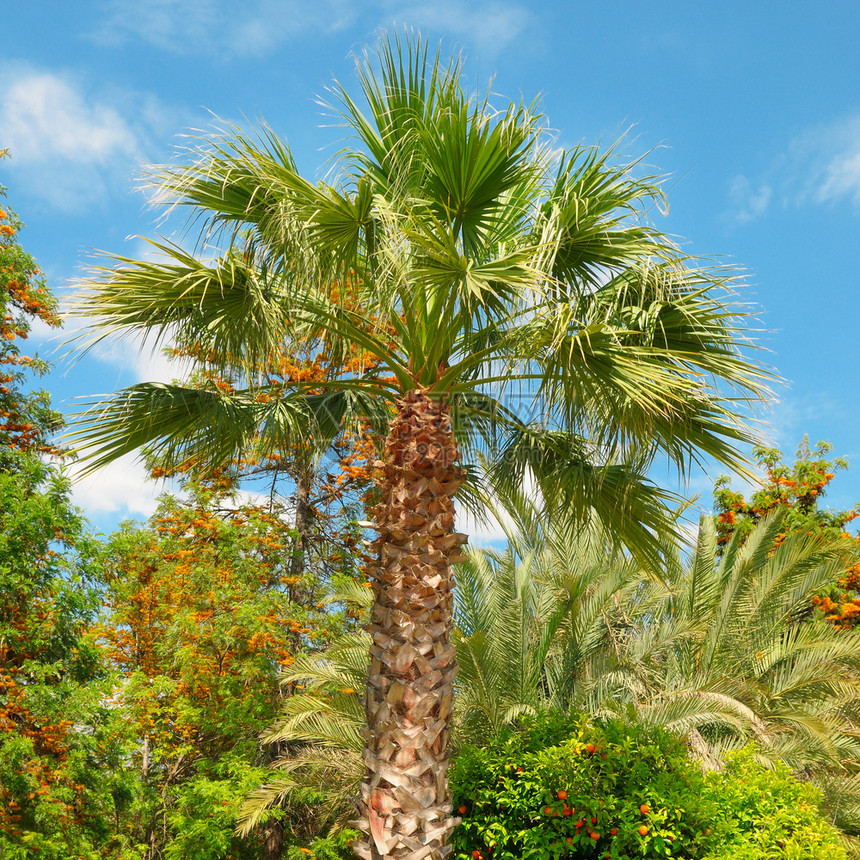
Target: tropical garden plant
[513, 303]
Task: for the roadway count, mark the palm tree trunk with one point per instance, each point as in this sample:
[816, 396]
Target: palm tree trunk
[405, 803]
[273, 840]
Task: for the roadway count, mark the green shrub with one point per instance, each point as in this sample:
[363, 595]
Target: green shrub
[565, 787]
[769, 813]
[335, 846]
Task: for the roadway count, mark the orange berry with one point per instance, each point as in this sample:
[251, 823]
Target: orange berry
[644, 809]
[562, 795]
[614, 831]
[594, 836]
[594, 821]
[643, 830]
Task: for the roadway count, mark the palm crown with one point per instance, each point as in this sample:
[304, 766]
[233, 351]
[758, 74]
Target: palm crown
[512, 306]
[465, 257]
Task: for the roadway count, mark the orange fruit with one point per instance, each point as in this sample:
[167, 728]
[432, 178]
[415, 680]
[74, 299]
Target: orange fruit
[643, 830]
[614, 831]
[548, 810]
[644, 809]
[594, 836]
[562, 795]
[570, 840]
[476, 854]
[462, 810]
[594, 821]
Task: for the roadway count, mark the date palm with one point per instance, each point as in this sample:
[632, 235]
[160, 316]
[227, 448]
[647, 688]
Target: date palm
[516, 308]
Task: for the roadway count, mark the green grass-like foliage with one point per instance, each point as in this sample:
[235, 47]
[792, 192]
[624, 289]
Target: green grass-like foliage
[562, 786]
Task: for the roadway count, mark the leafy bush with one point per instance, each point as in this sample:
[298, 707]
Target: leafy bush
[335, 846]
[564, 787]
[769, 813]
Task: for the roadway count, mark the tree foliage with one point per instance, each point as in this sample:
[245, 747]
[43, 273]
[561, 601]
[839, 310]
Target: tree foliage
[716, 647]
[26, 419]
[55, 744]
[203, 611]
[469, 258]
[799, 489]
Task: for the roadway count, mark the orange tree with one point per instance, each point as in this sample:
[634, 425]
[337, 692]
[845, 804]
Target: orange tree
[798, 488]
[521, 312]
[203, 609]
[56, 756]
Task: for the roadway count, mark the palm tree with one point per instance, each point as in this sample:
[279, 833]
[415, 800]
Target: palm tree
[514, 303]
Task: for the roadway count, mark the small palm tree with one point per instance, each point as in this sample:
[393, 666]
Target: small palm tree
[513, 302]
[537, 621]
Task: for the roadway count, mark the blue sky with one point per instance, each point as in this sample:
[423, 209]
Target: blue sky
[752, 110]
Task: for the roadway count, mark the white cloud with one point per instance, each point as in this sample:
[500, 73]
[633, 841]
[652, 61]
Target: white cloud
[177, 25]
[124, 488]
[483, 530]
[749, 203]
[840, 175]
[215, 26]
[821, 165]
[491, 25]
[45, 117]
[70, 145]
[259, 27]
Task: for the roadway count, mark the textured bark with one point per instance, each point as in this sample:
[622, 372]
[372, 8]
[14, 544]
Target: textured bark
[273, 841]
[144, 762]
[405, 803]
